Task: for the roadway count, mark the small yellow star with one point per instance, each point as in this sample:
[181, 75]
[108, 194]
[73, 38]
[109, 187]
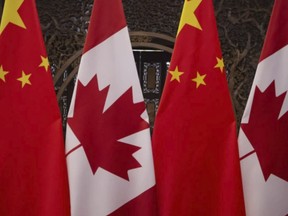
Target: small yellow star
[2, 73]
[11, 15]
[220, 64]
[24, 79]
[188, 15]
[199, 80]
[175, 75]
[44, 63]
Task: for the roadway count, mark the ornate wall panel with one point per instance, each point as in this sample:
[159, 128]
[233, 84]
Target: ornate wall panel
[242, 25]
[1, 7]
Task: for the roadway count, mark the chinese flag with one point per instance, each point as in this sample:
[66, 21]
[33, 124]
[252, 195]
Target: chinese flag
[263, 137]
[33, 174]
[194, 140]
[108, 146]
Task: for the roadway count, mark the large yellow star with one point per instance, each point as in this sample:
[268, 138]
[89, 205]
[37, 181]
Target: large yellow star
[199, 80]
[11, 15]
[175, 75]
[220, 64]
[2, 73]
[44, 63]
[24, 79]
[188, 15]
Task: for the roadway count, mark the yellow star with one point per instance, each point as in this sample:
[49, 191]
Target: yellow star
[11, 15]
[24, 79]
[175, 75]
[220, 64]
[2, 73]
[188, 15]
[44, 63]
[199, 80]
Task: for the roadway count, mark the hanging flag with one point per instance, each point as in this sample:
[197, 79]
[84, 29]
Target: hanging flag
[194, 139]
[263, 136]
[109, 156]
[33, 173]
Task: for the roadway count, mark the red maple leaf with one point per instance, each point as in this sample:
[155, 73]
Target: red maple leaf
[99, 132]
[267, 133]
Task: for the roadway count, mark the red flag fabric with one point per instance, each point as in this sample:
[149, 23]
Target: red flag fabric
[263, 137]
[33, 173]
[194, 139]
[108, 144]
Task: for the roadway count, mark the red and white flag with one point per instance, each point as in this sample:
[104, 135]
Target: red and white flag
[108, 145]
[263, 137]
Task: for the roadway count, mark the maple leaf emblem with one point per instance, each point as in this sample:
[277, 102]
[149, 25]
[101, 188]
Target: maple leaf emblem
[99, 132]
[267, 133]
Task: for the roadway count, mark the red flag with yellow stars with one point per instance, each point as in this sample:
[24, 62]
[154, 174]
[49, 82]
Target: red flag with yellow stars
[33, 174]
[194, 140]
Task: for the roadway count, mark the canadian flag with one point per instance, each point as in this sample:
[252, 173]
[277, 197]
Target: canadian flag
[108, 146]
[263, 136]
